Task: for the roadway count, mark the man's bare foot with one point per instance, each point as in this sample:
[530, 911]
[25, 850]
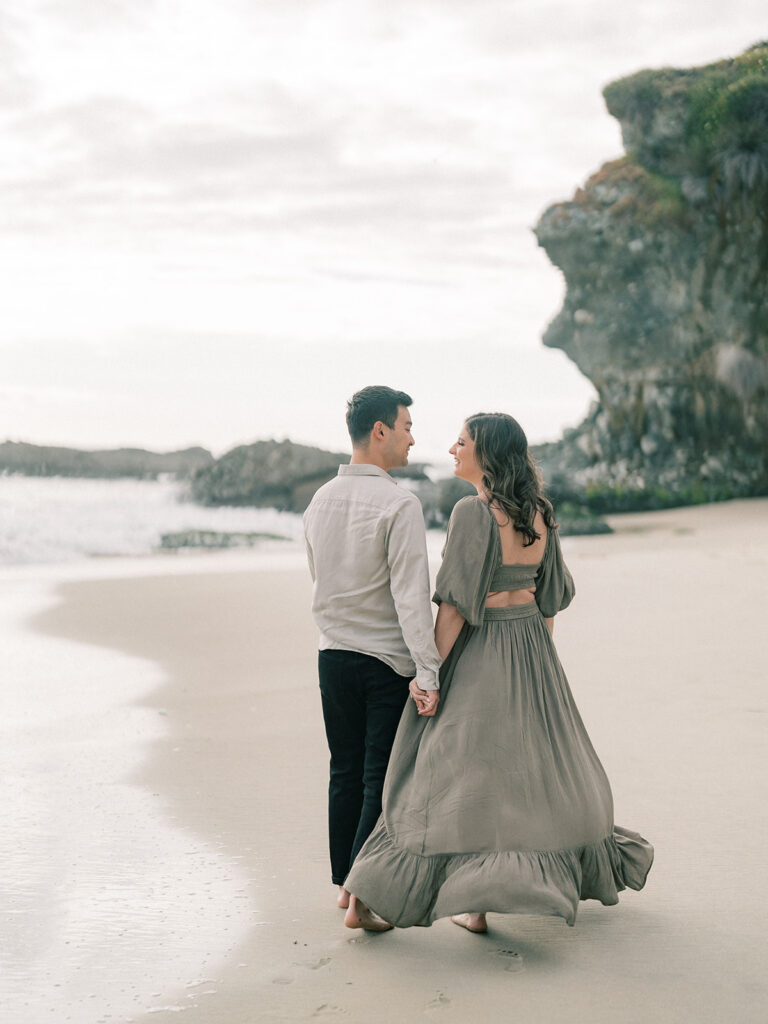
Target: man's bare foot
[343, 898]
[472, 922]
[359, 916]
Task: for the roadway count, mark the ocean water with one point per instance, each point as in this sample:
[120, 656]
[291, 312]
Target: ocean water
[108, 910]
[58, 519]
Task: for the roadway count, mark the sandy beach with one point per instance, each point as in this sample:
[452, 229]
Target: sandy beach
[665, 651]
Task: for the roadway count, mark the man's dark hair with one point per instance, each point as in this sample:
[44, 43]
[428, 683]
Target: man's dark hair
[370, 405]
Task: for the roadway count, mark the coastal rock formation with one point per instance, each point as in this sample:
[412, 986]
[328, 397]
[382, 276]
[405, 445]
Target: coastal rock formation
[267, 474]
[214, 540]
[273, 474]
[41, 460]
[284, 475]
[665, 256]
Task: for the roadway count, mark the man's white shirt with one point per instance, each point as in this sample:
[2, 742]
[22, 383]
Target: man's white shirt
[367, 554]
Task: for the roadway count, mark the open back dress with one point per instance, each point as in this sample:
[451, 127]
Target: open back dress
[499, 802]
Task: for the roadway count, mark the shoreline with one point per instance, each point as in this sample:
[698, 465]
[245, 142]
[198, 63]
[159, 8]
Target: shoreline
[242, 765]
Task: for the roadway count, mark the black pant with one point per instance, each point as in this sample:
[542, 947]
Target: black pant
[363, 700]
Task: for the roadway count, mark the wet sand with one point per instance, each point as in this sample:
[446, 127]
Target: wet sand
[664, 649]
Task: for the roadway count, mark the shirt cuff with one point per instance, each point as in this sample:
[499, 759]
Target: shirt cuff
[427, 680]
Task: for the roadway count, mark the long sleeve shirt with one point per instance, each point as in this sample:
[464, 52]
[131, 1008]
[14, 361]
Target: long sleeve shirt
[367, 553]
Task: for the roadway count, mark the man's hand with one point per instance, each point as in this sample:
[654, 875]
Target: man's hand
[426, 700]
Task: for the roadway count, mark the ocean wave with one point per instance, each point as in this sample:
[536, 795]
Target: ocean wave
[58, 519]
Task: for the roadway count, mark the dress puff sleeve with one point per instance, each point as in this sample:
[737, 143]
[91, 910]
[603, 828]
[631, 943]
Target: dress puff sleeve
[554, 583]
[471, 552]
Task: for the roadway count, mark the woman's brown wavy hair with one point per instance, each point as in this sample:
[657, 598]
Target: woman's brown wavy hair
[510, 475]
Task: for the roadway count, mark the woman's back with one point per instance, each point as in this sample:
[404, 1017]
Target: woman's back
[513, 549]
[515, 553]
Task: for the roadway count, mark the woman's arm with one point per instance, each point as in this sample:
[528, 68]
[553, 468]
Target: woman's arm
[551, 625]
[447, 628]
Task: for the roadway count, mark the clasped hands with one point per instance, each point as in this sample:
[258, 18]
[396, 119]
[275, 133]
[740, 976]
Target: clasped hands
[426, 700]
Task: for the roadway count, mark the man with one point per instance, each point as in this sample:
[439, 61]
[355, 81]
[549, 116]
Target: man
[367, 554]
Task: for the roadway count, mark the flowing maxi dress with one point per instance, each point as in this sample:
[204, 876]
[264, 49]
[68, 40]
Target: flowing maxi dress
[499, 802]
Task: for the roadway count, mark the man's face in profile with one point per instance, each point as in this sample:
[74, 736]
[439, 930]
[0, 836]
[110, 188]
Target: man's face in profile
[399, 439]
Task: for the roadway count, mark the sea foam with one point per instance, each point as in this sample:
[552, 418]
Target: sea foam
[58, 519]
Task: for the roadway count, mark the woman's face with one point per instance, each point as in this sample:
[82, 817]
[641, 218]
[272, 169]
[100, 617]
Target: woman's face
[464, 463]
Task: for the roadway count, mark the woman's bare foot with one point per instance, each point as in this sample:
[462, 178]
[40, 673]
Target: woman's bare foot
[472, 922]
[343, 898]
[359, 916]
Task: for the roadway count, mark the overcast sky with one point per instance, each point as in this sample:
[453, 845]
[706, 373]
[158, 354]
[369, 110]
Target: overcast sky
[218, 219]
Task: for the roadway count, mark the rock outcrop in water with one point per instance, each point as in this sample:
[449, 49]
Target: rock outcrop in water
[273, 474]
[665, 256]
[267, 474]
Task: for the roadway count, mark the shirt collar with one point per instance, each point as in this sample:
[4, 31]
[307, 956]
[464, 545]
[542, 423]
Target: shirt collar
[364, 469]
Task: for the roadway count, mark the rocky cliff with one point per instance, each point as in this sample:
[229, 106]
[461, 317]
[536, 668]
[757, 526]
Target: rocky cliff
[665, 257]
[43, 460]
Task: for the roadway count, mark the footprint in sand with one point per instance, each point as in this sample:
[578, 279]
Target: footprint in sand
[327, 1010]
[317, 963]
[514, 959]
[441, 1000]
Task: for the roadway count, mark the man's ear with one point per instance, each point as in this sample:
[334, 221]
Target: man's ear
[378, 429]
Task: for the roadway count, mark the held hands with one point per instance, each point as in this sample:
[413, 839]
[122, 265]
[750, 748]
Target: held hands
[426, 700]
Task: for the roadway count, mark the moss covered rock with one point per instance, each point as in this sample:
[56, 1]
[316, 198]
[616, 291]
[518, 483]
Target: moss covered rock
[665, 255]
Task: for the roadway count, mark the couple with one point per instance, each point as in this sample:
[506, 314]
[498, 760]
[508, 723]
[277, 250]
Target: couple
[493, 798]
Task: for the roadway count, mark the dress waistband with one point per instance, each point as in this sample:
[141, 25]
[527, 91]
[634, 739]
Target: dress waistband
[512, 611]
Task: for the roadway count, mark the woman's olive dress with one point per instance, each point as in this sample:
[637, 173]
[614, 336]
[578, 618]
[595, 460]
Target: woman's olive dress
[499, 802]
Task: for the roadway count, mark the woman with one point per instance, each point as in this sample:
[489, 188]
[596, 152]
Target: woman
[498, 802]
